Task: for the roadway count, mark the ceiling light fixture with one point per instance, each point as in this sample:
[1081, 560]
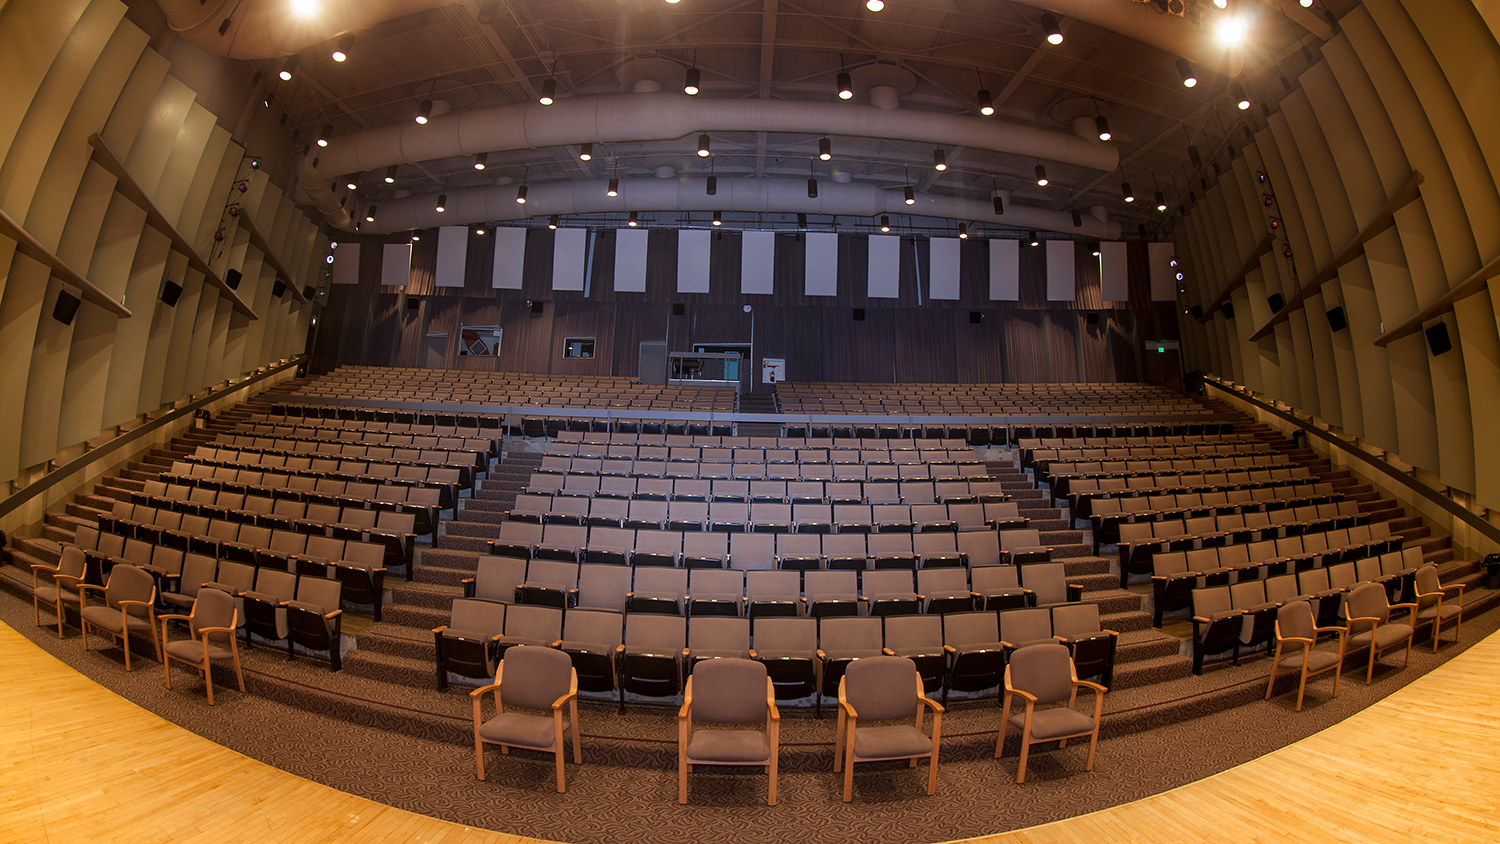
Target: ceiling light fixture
[370, 214]
[1034, 240]
[552, 222]
[1041, 174]
[480, 160]
[1231, 31]
[703, 148]
[1185, 70]
[1161, 201]
[323, 134]
[875, 5]
[1237, 93]
[1077, 219]
[963, 231]
[586, 152]
[614, 186]
[390, 175]
[305, 8]
[1127, 192]
[986, 102]
[825, 149]
[718, 218]
[549, 92]
[424, 112]
[634, 220]
[351, 185]
[690, 86]
[999, 205]
[885, 223]
[812, 188]
[288, 67]
[1102, 125]
[479, 230]
[442, 203]
[846, 86]
[713, 185]
[939, 160]
[911, 195]
[342, 48]
[1053, 29]
[521, 195]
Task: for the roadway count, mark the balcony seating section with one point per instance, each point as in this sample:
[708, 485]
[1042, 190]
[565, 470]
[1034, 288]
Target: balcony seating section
[514, 388]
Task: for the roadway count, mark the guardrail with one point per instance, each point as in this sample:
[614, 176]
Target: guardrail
[1455, 509]
[93, 455]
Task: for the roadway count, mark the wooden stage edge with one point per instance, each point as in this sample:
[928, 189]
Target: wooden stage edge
[79, 763]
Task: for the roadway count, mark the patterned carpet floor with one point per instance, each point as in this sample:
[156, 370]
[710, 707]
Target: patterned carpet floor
[626, 788]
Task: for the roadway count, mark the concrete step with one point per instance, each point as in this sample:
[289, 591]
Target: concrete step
[387, 668]
[473, 545]
[1146, 672]
[421, 618]
[421, 593]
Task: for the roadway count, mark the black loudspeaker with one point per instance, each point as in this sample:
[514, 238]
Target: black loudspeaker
[1437, 338]
[1337, 321]
[67, 306]
[1196, 311]
[232, 279]
[278, 289]
[413, 303]
[1093, 319]
[1276, 302]
[976, 317]
[859, 314]
[308, 292]
[536, 307]
[679, 309]
[169, 293]
[1228, 310]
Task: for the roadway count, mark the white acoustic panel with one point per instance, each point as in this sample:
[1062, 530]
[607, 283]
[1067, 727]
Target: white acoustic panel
[942, 268]
[510, 257]
[885, 267]
[757, 263]
[1005, 270]
[1163, 284]
[821, 264]
[452, 254]
[567, 259]
[1062, 276]
[692, 260]
[346, 264]
[1114, 272]
[630, 260]
[395, 265]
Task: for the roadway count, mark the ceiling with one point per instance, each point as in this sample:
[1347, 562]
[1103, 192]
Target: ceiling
[937, 53]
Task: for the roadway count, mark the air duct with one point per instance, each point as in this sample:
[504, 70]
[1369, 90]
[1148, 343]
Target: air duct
[742, 195]
[263, 29]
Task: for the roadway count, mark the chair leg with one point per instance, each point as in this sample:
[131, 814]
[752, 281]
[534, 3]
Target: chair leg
[208, 679]
[478, 755]
[125, 643]
[771, 772]
[849, 767]
[166, 668]
[682, 772]
[932, 762]
[1301, 688]
[239, 675]
[1370, 671]
[1093, 746]
[562, 786]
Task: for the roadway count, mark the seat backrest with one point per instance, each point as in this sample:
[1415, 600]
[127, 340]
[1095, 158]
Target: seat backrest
[752, 551]
[529, 621]
[1166, 563]
[1214, 599]
[1368, 600]
[603, 628]
[830, 584]
[941, 580]
[213, 608]
[497, 577]
[1282, 588]
[1075, 619]
[1025, 625]
[603, 586]
[667, 632]
[888, 581]
[1047, 580]
[718, 581]
[729, 691]
[970, 628]
[533, 677]
[1248, 594]
[882, 688]
[778, 633]
[281, 585]
[477, 615]
[914, 631]
[658, 580]
[1043, 671]
[844, 633]
[720, 633]
[552, 573]
[771, 584]
[1295, 620]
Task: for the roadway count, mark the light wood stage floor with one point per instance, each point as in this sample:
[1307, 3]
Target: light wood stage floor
[81, 764]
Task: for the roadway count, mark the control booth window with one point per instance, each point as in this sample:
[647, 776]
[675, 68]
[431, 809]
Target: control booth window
[578, 347]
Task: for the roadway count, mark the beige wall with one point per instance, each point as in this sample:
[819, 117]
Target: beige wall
[1407, 85]
[71, 69]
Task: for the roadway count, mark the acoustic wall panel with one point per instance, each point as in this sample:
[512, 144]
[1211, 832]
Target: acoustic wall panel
[1114, 266]
[757, 263]
[452, 256]
[395, 264]
[1163, 285]
[630, 260]
[942, 268]
[1062, 275]
[346, 264]
[1005, 270]
[885, 267]
[568, 259]
[822, 264]
[510, 257]
[692, 260]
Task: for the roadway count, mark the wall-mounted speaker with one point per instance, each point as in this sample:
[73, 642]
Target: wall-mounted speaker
[1437, 339]
[67, 306]
[278, 289]
[976, 317]
[309, 292]
[232, 279]
[859, 314]
[1337, 321]
[169, 293]
[1228, 310]
[1276, 302]
[1093, 319]
[536, 307]
[413, 303]
[1196, 311]
[679, 309]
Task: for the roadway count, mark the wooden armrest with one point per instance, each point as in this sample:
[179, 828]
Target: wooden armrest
[1110, 632]
[334, 614]
[201, 629]
[1339, 630]
[482, 689]
[820, 654]
[1200, 619]
[753, 655]
[1091, 684]
[180, 617]
[1412, 607]
[89, 587]
[949, 649]
[1027, 695]
[1003, 644]
[932, 704]
[44, 567]
[124, 604]
[887, 651]
[440, 628]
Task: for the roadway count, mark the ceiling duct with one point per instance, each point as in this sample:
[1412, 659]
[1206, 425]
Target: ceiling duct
[741, 195]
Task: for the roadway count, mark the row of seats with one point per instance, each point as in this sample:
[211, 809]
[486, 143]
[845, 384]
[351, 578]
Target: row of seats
[316, 484]
[558, 455]
[1176, 573]
[357, 463]
[1246, 494]
[323, 434]
[1288, 541]
[324, 505]
[693, 513]
[374, 420]
[776, 471]
[653, 655]
[1107, 514]
[761, 551]
[723, 592]
[951, 491]
[1169, 477]
[595, 438]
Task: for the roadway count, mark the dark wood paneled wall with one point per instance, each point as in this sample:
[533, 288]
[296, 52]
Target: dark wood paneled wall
[908, 338]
